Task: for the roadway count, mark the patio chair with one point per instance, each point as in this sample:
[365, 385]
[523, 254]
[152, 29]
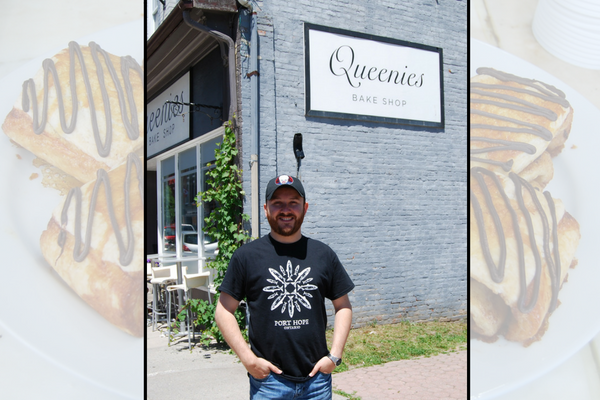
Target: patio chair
[190, 281]
[161, 277]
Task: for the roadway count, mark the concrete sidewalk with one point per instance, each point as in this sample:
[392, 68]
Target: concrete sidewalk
[175, 373]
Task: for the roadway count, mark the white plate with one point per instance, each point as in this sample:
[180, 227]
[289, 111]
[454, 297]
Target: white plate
[503, 366]
[38, 308]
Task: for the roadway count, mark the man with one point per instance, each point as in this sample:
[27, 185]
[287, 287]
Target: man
[285, 278]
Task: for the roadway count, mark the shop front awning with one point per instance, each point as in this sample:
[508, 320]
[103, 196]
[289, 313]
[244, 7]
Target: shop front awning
[175, 46]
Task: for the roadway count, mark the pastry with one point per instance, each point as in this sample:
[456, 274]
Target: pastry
[92, 241]
[81, 112]
[488, 312]
[521, 247]
[522, 240]
[540, 172]
[514, 120]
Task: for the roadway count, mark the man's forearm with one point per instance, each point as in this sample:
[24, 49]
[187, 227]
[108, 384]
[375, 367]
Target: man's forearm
[341, 326]
[341, 329]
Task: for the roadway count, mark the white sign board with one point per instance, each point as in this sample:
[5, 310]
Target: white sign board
[363, 77]
[165, 126]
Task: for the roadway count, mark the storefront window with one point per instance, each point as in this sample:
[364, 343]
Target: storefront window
[182, 176]
[188, 190]
[168, 204]
[182, 218]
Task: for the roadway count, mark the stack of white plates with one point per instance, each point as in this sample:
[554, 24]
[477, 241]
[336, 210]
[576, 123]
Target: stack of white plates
[570, 30]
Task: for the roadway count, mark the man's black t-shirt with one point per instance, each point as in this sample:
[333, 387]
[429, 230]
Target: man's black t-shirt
[285, 286]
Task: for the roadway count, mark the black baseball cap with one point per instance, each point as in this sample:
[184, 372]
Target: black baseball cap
[284, 180]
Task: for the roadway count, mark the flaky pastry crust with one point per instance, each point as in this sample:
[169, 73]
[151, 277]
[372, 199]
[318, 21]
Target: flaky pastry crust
[76, 152]
[522, 240]
[110, 286]
[514, 120]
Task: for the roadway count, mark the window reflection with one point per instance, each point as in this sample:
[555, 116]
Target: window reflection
[189, 211]
[168, 204]
[181, 190]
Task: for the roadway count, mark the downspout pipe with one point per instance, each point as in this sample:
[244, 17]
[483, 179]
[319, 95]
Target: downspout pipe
[254, 160]
[228, 60]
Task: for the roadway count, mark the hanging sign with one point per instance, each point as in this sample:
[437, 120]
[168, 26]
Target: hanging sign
[165, 125]
[356, 76]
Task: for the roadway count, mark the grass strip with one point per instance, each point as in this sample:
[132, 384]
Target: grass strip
[378, 344]
[346, 395]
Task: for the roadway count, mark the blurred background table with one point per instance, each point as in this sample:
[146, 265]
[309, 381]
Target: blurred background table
[29, 30]
[506, 24]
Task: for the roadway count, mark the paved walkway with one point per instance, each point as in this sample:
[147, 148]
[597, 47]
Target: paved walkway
[442, 377]
[176, 373]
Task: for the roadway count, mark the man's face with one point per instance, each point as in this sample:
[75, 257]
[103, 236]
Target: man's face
[285, 212]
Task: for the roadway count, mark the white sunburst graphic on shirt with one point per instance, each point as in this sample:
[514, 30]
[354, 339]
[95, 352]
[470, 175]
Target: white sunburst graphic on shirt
[290, 288]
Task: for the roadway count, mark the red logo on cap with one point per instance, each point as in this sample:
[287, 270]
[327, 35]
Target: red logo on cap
[284, 180]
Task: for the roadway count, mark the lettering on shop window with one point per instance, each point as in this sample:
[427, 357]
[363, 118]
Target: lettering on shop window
[158, 120]
[165, 126]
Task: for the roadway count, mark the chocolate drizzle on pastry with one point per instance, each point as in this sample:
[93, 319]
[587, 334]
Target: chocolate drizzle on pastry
[552, 258]
[128, 111]
[81, 115]
[523, 238]
[125, 96]
[125, 251]
[512, 102]
[496, 271]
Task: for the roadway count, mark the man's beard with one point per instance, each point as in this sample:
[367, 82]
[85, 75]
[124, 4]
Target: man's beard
[287, 231]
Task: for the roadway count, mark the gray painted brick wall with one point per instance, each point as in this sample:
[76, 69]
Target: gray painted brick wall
[391, 200]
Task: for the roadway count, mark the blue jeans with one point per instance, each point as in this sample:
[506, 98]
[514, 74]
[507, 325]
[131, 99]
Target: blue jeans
[276, 387]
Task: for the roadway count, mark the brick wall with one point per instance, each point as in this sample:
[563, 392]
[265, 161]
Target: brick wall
[391, 200]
